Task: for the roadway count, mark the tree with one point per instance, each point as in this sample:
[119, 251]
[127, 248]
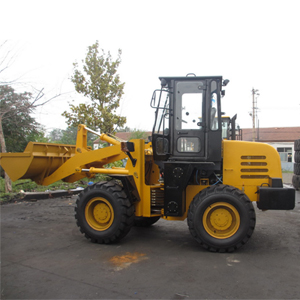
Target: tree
[138, 134]
[55, 135]
[16, 124]
[17, 127]
[15, 110]
[38, 135]
[68, 136]
[98, 80]
[8, 56]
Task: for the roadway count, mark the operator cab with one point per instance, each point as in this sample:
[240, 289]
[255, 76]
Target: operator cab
[187, 135]
[188, 123]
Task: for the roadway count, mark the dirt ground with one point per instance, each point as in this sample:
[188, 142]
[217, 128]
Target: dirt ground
[44, 256]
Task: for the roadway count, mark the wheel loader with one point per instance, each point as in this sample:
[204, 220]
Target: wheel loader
[186, 170]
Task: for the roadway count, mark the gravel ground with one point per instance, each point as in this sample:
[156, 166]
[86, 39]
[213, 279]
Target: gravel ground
[44, 256]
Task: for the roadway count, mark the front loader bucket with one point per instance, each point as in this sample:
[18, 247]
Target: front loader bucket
[47, 163]
[38, 161]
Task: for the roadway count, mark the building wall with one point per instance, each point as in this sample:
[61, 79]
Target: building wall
[287, 156]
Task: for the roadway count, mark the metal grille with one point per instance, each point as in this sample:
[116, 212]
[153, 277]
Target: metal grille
[251, 167]
[157, 200]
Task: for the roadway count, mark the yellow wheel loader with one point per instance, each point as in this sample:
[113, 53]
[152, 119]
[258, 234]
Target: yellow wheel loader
[186, 171]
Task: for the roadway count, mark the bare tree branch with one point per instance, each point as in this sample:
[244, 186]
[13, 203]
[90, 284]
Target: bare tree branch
[48, 99]
[16, 108]
[8, 58]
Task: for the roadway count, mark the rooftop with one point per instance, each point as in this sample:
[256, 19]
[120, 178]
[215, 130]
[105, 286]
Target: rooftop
[273, 134]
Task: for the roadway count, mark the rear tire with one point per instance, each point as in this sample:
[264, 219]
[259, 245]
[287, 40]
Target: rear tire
[103, 212]
[221, 218]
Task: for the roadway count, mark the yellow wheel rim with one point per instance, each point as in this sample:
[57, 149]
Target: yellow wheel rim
[221, 220]
[99, 214]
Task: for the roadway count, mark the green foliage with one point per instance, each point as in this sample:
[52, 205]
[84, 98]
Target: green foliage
[38, 135]
[18, 126]
[98, 80]
[26, 185]
[55, 135]
[138, 134]
[68, 136]
[60, 136]
[117, 164]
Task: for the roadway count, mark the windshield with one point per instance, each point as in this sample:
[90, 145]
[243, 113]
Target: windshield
[190, 115]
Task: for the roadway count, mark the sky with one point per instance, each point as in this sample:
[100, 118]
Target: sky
[254, 44]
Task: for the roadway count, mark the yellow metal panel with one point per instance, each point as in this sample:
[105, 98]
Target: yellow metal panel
[15, 165]
[143, 207]
[152, 171]
[247, 165]
[46, 163]
[96, 158]
[38, 160]
[140, 172]
[81, 140]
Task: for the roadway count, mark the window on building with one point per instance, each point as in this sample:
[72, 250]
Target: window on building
[285, 154]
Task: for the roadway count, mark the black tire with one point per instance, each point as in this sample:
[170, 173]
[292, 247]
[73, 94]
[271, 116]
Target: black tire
[296, 182]
[297, 145]
[145, 222]
[221, 218]
[297, 156]
[297, 168]
[103, 212]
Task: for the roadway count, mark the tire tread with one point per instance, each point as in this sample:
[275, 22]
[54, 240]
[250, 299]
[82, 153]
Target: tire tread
[297, 145]
[296, 182]
[297, 168]
[127, 211]
[220, 189]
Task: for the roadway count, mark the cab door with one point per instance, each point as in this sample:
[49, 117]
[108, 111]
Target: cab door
[189, 120]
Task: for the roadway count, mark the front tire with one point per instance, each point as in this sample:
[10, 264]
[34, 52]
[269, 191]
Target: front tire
[103, 212]
[221, 218]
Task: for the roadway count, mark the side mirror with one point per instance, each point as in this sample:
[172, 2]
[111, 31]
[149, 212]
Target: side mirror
[163, 82]
[127, 146]
[225, 82]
